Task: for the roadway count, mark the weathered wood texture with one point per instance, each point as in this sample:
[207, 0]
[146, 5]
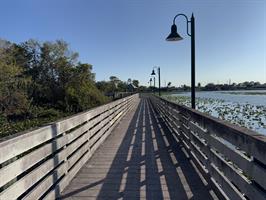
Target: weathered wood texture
[140, 160]
[41, 163]
[233, 159]
[160, 150]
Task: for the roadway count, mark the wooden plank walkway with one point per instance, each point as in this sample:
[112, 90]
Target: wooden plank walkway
[141, 159]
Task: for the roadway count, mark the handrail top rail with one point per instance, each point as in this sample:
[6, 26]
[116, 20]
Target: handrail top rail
[232, 127]
[231, 156]
[243, 135]
[49, 125]
[29, 162]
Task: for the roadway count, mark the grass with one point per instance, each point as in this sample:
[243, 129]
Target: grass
[39, 118]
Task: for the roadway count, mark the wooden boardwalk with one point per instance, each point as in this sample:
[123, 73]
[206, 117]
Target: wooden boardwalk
[141, 159]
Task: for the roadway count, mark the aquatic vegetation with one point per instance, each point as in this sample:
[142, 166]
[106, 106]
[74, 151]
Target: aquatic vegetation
[243, 114]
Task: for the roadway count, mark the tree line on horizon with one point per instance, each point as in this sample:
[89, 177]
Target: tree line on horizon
[246, 85]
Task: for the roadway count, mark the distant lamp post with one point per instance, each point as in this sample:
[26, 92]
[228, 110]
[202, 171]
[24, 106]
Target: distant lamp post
[154, 85]
[174, 36]
[150, 82]
[159, 77]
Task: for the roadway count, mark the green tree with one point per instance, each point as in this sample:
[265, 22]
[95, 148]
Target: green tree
[136, 83]
[55, 74]
[81, 93]
[43, 81]
[13, 83]
[104, 86]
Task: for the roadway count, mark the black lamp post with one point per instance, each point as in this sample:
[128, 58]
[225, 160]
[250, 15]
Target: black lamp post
[174, 36]
[150, 82]
[154, 85]
[159, 77]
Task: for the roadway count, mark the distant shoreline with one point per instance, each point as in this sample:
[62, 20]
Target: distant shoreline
[230, 90]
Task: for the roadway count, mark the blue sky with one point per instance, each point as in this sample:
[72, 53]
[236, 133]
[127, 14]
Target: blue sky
[126, 38]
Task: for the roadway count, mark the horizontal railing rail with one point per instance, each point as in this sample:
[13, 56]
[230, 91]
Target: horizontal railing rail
[231, 158]
[39, 164]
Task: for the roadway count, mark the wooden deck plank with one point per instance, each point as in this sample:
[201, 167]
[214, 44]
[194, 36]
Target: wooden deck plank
[139, 160]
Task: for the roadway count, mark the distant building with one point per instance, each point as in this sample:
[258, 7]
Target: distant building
[131, 87]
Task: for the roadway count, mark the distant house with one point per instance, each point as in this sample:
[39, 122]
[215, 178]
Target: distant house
[131, 87]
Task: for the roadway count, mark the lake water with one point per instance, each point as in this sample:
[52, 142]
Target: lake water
[242, 96]
[246, 108]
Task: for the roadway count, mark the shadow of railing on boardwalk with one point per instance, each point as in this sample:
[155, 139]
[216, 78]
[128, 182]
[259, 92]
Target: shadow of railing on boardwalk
[149, 163]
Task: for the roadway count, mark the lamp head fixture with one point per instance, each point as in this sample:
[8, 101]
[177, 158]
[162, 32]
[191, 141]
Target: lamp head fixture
[174, 36]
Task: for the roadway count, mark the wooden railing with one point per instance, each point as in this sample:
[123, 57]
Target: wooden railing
[39, 164]
[232, 159]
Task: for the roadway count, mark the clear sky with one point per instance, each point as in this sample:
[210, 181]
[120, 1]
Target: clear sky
[126, 38]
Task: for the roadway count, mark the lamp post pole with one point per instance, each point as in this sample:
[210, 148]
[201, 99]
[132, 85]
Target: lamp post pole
[150, 82]
[192, 23]
[174, 36]
[159, 74]
[154, 84]
[159, 77]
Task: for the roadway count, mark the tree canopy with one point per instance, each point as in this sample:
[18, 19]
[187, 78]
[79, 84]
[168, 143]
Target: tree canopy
[42, 81]
[45, 74]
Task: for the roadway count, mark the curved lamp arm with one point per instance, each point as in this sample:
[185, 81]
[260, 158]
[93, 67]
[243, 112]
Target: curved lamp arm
[186, 20]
